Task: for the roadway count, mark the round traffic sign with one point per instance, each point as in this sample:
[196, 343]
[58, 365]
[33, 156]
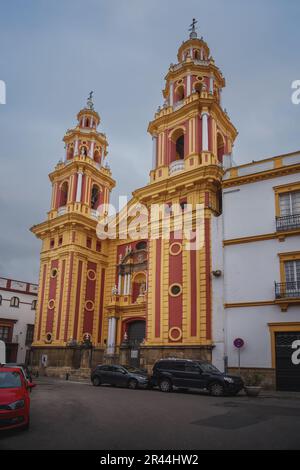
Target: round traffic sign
[239, 343]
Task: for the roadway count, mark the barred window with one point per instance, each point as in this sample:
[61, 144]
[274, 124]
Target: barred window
[4, 333]
[29, 334]
[292, 271]
[289, 203]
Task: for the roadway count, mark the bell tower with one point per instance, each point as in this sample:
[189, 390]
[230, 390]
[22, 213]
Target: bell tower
[73, 260]
[191, 128]
[192, 145]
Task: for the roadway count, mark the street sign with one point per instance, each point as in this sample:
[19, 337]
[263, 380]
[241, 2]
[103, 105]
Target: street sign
[239, 343]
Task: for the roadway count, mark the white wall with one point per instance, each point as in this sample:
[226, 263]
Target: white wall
[249, 209]
[24, 315]
[218, 315]
[251, 324]
[252, 268]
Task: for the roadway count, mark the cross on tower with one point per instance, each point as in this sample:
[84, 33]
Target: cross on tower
[192, 28]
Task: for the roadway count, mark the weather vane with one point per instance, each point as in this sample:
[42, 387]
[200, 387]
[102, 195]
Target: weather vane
[192, 29]
[90, 103]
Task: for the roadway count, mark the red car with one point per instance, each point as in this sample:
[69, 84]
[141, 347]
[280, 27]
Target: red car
[14, 398]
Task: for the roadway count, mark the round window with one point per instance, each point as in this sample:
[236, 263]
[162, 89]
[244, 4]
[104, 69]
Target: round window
[175, 290]
[49, 337]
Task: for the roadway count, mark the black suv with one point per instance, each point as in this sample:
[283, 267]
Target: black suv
[186, 373]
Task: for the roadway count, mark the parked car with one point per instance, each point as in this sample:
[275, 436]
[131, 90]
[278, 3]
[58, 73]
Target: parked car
[189, 374]
[119, 376]
[14, 398]
[24, 368]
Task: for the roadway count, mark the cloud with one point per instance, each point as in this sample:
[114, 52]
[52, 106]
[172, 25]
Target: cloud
[54, 53]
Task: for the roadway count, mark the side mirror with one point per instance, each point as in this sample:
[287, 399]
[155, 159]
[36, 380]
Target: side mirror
[31, 385]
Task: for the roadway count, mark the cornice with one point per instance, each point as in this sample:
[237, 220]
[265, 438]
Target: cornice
[263, 175]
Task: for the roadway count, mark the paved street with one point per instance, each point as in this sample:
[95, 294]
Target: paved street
[69, 415]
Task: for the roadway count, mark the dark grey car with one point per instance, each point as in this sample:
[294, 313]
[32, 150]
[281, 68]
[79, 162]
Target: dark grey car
[119, 376]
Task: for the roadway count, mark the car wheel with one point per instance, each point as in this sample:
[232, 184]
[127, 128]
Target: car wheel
[216, 390]
[132, 384]
[165, 385]
[96, 381]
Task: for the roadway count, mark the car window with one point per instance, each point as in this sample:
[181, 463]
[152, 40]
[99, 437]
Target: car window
[105, 368]
[209, 368]
[10, 380]
[120, 370]
[192, 368]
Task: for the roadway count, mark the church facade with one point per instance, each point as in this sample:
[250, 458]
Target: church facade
[134, 299]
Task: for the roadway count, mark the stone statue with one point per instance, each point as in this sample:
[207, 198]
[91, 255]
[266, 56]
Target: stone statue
[114, 290]
[142, 288]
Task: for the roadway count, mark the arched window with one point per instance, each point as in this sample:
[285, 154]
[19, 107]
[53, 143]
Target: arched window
[179, 93]
[15, 302]
[220, 147]
[180, 148]
[97, 156]
[95, 197]
[64, 189]
[33, 305]
[198, 87]
[197, 54]
[138, 288]
[87, 123]
[70, 152]
[177, 144]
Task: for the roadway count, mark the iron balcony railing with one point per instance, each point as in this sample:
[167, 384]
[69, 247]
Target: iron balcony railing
[287, 290]
[288, 222]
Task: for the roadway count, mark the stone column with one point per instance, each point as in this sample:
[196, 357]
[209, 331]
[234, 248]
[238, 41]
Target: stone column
[79, 187]
[128, 286]
[154, 151]
[188, 85]
[211, 85]
[119, 284]
[171, 94]
[76, 148]
[204, 132]
[111, 340]
[109, 337]
[92, 149]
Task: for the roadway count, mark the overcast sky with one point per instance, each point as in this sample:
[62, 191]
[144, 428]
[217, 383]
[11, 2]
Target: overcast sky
[53, 52]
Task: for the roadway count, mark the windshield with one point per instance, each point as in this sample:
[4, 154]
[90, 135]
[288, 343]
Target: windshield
[10, 380]
[133, 370]
[207, 367]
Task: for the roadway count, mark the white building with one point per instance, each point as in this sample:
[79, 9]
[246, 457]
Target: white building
[260, 262]
[17, 315]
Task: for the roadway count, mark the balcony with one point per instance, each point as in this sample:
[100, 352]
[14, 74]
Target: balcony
[176, 166]
[287, 290]
[94, 214]
[62, 210]
[287, 223]
[286, 294]
[178, 105]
